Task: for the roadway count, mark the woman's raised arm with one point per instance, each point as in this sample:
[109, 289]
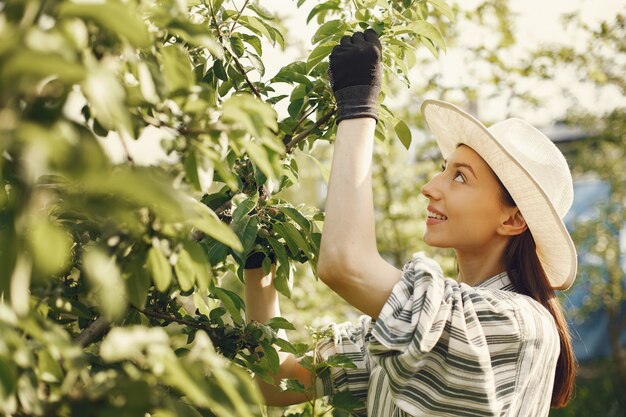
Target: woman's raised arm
[349, 260]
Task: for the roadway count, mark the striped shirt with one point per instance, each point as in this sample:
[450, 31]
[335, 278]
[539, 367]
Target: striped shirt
[444, 348]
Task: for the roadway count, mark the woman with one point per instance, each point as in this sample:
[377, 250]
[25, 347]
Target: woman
[491, 343]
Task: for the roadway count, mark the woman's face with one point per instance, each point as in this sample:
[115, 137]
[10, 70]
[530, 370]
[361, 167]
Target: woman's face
[465, 209]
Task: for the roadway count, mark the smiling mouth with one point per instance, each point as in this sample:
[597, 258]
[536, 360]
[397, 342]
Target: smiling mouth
[432, 215]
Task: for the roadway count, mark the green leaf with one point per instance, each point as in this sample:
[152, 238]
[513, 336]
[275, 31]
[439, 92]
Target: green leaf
[297, 217]
[260, 156]
[429, 31]
[256, 117]
[284, 280]
[50, 245]
[272, 357]
[332, 28]
[340, 361]
[257, 26]
[281, 230]
[237, 46]
[345, 400]
[232, 302]
[443, 7]
[280, 323]
[404, 133]
[40, 65]
[329, 5]
[253, 41]
[106, 281]
[257, 63]
[219, 70]
[137, 284]
[247, 229]
[197, 34]
[8, 377]
[191, 169]
[319, 53]
[177, 71]
[160, 269]
[279, 250]
[293, 73]
[207, 221]
[49, 369]
[107, 99]
[198, 262]
[185, 274]
[117, 18]
[296, 236]
[292, 385]
[245, 207]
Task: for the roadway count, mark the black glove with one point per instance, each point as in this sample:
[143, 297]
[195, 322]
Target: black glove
[355, 75]
[256, 260]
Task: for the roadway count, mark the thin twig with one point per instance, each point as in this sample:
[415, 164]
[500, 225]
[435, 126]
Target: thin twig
[93, 331]
[245, 75]
[300, 137]
[129, 158]
[232, 55]
[236, 18]
[303, 118]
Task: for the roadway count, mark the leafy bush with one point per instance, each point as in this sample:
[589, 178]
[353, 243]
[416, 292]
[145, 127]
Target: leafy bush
[111, 274]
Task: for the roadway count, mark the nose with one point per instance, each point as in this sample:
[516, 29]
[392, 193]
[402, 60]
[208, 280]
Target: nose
[430, 189]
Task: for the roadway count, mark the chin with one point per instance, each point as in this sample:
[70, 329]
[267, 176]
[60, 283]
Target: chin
[433, 242]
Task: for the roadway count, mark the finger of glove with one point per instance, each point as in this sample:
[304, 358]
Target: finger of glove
[371, 37]
[345, 40]
[358, 38]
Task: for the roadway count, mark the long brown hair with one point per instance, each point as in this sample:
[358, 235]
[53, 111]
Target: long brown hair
[521, 255]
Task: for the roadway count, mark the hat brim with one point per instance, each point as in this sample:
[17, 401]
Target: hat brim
[452, 127]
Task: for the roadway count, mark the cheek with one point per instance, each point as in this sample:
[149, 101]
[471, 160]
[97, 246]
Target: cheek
[476, 214]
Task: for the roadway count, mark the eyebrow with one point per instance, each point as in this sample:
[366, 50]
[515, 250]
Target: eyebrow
[462, 165]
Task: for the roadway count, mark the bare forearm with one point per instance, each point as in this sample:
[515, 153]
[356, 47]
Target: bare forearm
[349, 227]
[260, 295]
[262, 304]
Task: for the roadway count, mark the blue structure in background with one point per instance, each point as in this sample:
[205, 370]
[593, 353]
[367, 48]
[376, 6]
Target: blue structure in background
[591, 336]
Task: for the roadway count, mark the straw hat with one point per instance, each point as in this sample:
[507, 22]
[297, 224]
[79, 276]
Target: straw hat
[531, 168]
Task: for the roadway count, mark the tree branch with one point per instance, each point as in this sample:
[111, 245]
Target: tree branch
[301, 136]
[167, 317]
[92, 332]
[245, 75]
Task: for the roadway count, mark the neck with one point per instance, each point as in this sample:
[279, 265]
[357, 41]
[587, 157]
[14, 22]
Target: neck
[479, 264]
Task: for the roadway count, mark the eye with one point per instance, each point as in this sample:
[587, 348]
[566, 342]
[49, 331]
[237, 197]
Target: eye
[443, 166]
[459, 177]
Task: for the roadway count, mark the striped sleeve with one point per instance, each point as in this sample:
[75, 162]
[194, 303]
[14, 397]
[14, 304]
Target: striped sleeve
[447, 348]
[348, 340]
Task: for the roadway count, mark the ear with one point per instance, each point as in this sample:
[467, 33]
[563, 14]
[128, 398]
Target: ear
[514, 224]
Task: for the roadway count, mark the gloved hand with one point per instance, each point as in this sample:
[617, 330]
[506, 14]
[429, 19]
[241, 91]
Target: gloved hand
[355, 75]
[255, 260]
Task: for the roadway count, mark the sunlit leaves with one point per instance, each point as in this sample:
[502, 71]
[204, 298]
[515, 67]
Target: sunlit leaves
[36, 65]
[106, 282]
[114, 16]
[256, 117]
[160, 268]
[107, 99]
[177, 72]
[50, 246]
